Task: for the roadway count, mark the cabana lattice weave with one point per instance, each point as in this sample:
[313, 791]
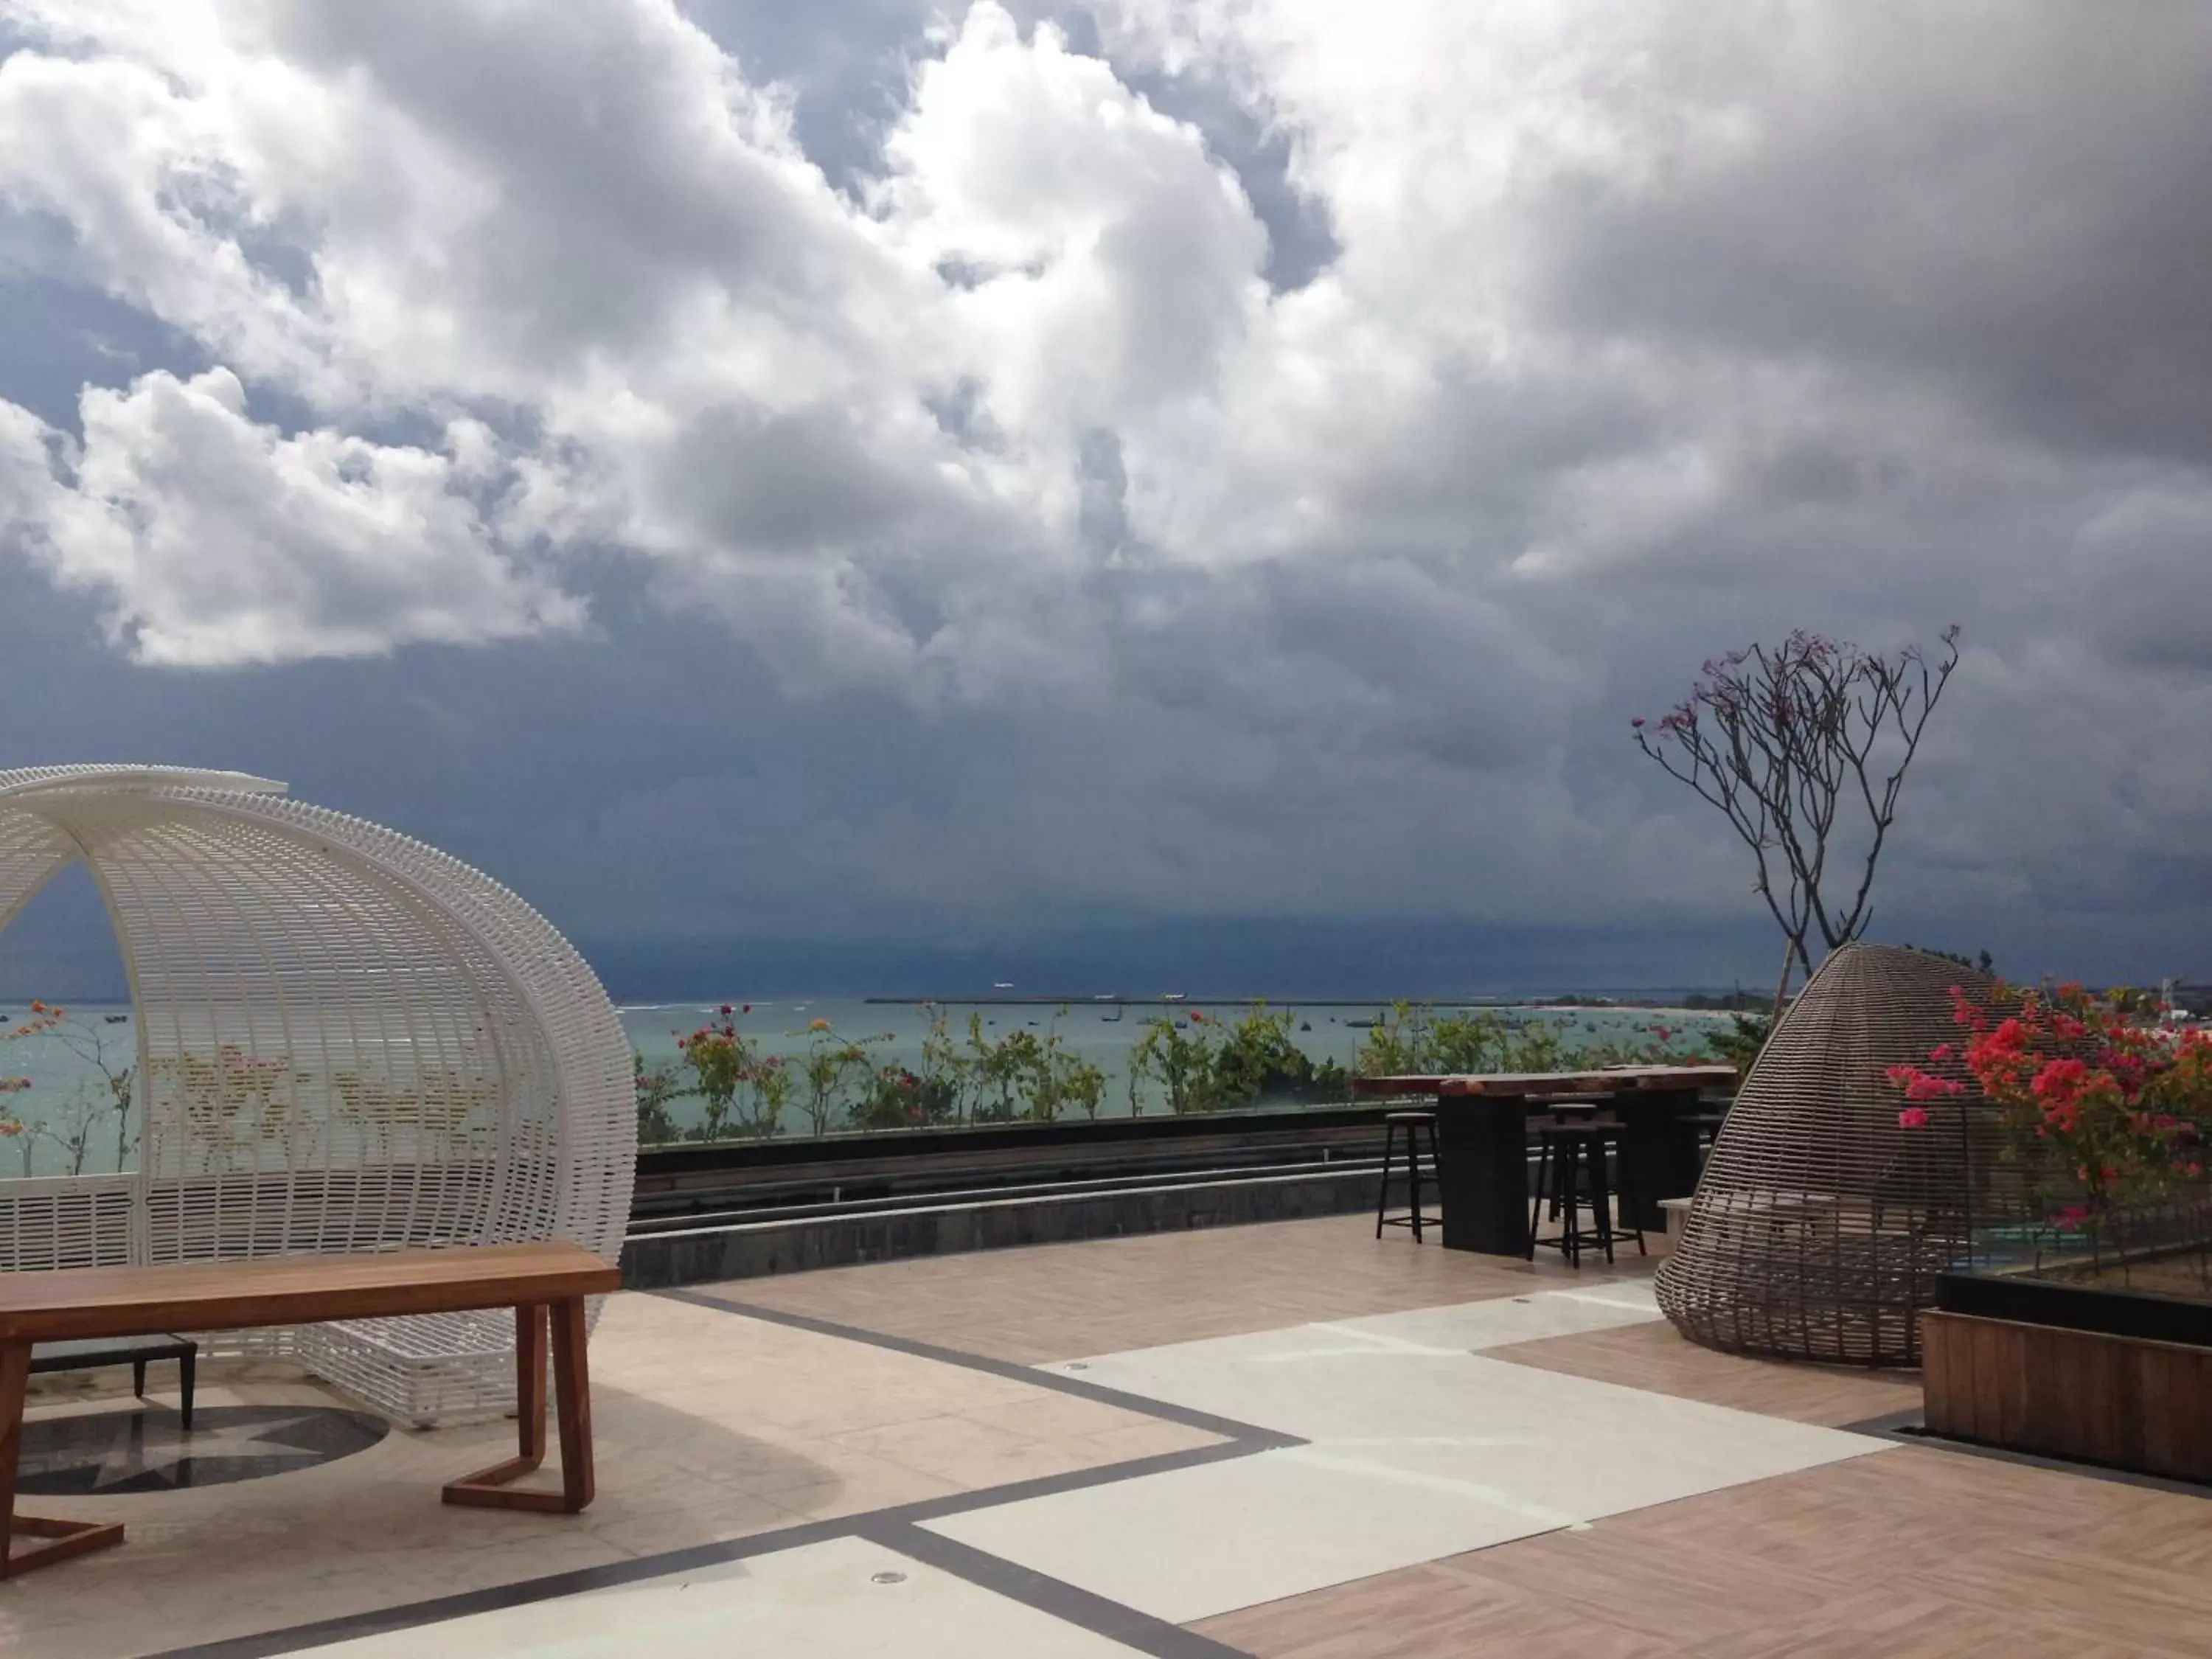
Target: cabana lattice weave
[347, 1041]
[1820, 1223]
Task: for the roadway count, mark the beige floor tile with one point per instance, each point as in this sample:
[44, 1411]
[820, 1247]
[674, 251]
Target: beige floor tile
[707, 1426]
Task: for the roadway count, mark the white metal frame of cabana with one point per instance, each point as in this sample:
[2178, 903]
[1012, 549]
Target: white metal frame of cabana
[347, 1041]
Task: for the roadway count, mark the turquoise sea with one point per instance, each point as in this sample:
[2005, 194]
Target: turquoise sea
[67, 1090]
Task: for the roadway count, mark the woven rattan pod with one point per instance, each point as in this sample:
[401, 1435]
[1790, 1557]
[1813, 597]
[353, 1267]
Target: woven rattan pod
[1819, 1222]
[347, 1041]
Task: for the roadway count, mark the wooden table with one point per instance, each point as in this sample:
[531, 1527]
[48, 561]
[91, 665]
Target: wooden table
[1482, 1141]
[544, 1283]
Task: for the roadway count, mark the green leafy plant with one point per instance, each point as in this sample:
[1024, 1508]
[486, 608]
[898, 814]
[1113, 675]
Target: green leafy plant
[659, 1083]
[946, 1073]
[997, 1068]
[722, 1061]
[1743, 1043]
[830, 1071]
[1206, 1064]
[1178, 1056]
[899, 1098]
[119, 1077]
[1415, 1040]
[14, 1127]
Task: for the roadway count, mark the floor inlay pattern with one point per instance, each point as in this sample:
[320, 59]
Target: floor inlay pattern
[148, 1449]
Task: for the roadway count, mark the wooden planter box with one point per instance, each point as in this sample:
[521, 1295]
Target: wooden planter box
[2067, 1372]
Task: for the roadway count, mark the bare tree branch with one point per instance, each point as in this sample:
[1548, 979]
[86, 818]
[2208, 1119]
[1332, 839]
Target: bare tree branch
[1776, 739]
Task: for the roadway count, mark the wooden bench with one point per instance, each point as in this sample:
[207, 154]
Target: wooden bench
[544, 1283]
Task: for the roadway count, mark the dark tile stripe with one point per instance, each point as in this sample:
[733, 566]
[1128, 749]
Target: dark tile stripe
[887, 1527]
[1062, 1601]
[1248, 1433]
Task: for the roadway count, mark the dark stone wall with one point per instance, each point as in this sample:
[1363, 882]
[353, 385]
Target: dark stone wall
[752, 1250]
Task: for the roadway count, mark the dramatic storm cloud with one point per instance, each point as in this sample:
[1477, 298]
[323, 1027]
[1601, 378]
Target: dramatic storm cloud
[1136, 488]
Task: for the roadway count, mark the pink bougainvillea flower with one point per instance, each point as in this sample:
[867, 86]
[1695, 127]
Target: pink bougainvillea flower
[817, 1024]
[747, 1009]
[726, 1008]
[1912, 1117]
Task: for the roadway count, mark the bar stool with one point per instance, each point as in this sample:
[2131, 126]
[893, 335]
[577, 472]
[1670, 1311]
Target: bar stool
[1572, 1151]
[1568, 1113]
[1412, 1123]
[1706, 1126]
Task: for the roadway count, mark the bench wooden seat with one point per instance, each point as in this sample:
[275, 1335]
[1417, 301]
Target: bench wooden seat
[544, 1283]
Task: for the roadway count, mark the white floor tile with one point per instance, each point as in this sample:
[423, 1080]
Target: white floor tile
[822, 1602]
[1198, 1541]
[1419, 1449]
[1368, 1378]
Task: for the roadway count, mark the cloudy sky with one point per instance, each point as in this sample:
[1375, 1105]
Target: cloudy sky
[1150, 494]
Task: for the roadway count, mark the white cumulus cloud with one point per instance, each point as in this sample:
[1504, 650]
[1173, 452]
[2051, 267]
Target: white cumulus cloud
[216, 539]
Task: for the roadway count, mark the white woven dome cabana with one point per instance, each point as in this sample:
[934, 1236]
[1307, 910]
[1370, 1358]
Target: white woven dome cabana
[347, 1041]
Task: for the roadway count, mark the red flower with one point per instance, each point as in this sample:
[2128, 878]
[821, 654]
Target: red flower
[726, 1008]
[1912, 1117]
[747, 1009]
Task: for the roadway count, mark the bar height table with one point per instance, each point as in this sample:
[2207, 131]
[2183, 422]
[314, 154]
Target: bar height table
[1482, 1141]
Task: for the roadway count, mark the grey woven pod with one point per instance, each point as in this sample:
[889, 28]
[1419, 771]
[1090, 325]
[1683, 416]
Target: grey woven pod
[1820, 1223]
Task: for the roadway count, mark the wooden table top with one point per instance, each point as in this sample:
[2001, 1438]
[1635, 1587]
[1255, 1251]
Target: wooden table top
[1521, 1086]
[293, 1289]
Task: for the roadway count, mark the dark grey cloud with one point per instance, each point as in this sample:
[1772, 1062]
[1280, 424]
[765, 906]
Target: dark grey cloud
[1926, 346]
[2008, 204]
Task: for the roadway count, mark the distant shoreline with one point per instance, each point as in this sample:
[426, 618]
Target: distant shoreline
[1010, 1000]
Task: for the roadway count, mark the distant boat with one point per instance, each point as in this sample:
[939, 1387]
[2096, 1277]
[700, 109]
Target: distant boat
[1172, 996]
[1002, 985]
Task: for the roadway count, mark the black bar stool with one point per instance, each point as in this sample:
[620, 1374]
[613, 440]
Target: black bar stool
[1564, 1114]
[1706, 1126]
[1570, 1178]
[1412, 1123]
[1573, 1152]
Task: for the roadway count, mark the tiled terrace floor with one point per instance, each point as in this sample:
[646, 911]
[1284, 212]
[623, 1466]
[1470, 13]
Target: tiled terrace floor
[1289, 1441]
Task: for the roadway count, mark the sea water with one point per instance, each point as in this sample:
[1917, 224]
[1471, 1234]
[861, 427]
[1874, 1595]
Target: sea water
[66, 1083]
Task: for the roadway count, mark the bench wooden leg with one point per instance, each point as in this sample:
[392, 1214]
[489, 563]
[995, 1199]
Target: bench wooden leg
[488, 1488]
[572, 1381]
[67, 1537]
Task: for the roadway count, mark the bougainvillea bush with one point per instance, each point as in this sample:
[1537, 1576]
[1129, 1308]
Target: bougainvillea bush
[2103, 1113]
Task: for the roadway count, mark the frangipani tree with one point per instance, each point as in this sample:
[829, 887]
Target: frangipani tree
[1791, 743]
